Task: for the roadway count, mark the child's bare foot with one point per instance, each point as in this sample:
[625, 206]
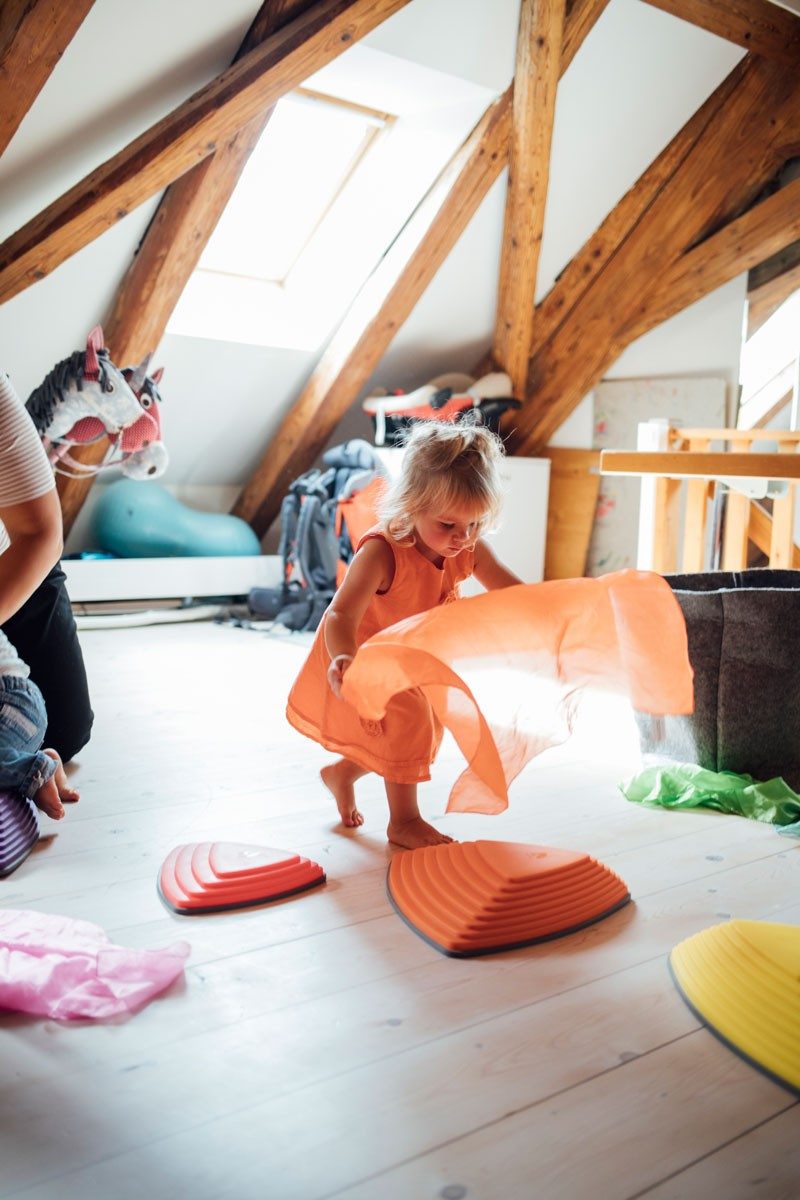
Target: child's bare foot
[415, 833]
[51, 794]
[338, 779]
[63, 787]
[48, 800]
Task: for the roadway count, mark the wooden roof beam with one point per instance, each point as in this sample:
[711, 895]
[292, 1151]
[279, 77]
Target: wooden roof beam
[186, 217]
[380, 308]
[541, 25]
[770, 282]
[33, 36]
[736, 247]
[758, 25]
[185, 137]
[752, 124]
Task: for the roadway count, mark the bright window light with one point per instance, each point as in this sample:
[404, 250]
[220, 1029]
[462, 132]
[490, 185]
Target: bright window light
[310, 148]
[339, 169]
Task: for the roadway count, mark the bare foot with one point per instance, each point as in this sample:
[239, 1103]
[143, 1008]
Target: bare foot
[48, 800]
[51, 794]
[339, 782]
[65, 790]
[415, 833]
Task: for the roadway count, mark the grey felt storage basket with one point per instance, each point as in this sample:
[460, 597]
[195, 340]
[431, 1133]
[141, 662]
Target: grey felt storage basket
[744, 646]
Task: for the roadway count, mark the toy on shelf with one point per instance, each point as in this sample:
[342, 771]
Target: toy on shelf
[469, 898]
[448, 398]
[84, 398]
[742, 979]
[19, 830]
[214, 876]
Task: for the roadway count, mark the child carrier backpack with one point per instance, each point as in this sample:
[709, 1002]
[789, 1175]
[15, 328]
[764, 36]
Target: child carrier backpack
[316, 542]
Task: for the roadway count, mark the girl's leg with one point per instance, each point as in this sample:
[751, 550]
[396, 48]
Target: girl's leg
[339, 778]
[406, 827]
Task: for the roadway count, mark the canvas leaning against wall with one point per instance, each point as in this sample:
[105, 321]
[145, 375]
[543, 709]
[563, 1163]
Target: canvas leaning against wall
[619, 406]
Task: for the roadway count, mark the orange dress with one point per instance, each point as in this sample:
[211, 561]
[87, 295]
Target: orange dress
[402, 743]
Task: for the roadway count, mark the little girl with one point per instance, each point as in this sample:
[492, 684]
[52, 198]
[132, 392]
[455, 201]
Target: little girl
[427, 542]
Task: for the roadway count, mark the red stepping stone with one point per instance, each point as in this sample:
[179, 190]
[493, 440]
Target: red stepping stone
[469, 898]
[213, 876]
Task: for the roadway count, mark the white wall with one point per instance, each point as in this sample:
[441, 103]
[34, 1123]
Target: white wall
[702, 341]
[637, 79]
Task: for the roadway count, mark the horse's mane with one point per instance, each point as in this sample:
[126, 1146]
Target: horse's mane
[43, 399]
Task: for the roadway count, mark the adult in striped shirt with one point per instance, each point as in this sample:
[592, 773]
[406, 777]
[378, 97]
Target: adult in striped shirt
[37, 628]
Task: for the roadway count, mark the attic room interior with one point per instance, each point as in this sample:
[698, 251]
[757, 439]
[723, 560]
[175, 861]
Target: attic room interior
[398, 393]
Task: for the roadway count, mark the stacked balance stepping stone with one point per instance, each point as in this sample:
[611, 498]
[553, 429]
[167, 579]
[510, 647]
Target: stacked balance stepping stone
[212, 876]
[470, 898]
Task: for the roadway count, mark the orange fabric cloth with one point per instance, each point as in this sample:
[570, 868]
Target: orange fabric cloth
[502, 671]
[401, 742]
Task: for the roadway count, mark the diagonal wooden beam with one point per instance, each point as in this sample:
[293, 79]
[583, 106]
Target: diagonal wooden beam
[380, 308]
[786, 259]
[183, 223]
[185, 137]
[757, 25]
[751, 132]
[766, 292]
[541, 24]
[187, 215]
[581, 17]
[760, 532]
[33, 36]
[738, 246]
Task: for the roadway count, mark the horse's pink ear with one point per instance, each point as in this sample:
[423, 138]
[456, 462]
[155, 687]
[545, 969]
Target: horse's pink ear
[94, 342]
[156, 376]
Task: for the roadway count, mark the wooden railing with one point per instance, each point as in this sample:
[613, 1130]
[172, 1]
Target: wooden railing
[667, 456]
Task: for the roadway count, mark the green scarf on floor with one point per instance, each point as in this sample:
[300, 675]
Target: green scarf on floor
[685, 785]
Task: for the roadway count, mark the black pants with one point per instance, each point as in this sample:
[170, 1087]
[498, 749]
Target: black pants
[45, 636]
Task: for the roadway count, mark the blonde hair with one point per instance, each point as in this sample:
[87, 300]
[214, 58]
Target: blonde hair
[445, 464]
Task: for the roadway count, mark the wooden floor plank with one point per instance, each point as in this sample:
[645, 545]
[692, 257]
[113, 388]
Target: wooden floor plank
[763, 1164]
[608, 1137]
[358, 1055]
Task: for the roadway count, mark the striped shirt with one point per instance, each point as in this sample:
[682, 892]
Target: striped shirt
[25, 474]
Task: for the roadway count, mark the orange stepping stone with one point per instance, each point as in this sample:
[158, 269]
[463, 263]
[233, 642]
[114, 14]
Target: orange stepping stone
[213, 876]
[469, 898]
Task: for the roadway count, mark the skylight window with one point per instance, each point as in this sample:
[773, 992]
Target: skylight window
[308, 151]
[339, 169]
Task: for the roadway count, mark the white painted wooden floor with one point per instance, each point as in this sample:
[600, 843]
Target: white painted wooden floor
[318, 1047]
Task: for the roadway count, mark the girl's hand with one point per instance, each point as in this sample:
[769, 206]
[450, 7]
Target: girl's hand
[336, 670]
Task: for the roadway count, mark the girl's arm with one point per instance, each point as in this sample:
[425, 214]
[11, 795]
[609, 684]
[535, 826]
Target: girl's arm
[489, 572]
[371, 571]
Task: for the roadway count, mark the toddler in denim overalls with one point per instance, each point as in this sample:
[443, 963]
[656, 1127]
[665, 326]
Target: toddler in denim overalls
[25, 768]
